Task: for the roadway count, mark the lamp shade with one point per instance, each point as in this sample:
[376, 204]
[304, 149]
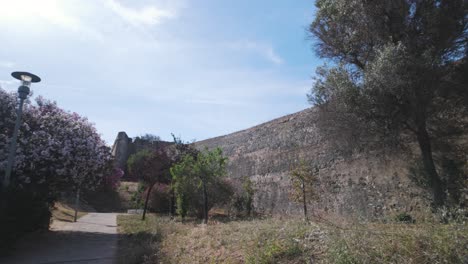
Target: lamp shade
[26, 77]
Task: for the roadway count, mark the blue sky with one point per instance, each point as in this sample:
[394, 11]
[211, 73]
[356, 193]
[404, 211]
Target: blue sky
[197, 69]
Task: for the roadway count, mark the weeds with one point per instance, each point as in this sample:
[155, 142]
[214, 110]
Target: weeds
[161, 240]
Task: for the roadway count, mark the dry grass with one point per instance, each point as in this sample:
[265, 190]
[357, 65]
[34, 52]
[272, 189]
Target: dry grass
[63, 212]
[161, 240]
[399, 243]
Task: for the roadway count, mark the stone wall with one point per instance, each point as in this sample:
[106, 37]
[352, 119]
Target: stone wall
[121, 150]
[124, 147]
[366, 186]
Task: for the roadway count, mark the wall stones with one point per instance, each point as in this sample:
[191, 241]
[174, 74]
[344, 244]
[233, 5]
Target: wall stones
[124, 147]
[363, 186]
[121, 150]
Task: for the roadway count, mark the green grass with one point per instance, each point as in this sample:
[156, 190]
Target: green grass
[139, 240]
[161, 240]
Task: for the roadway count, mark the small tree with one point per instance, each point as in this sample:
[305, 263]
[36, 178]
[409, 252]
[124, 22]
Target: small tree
[302, 180]
[204, 171]
[249, 191]
[181, 151]
[151, 167]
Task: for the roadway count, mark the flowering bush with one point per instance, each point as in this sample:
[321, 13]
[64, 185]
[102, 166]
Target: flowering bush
[112, 181]
[58, 151]
[55, 147]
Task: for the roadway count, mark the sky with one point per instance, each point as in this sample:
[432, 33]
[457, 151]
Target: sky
[198, 69]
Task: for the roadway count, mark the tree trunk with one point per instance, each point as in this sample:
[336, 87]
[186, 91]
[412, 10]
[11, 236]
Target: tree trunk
[433, 177]
[306, 218]
[146, 201]
[205, 204]
[249, 206]
[77, 203]
[172, 207]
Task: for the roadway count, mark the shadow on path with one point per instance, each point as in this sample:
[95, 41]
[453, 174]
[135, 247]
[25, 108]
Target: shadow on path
[93, 239]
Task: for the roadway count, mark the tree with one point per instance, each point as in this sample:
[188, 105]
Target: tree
[248, 193]
[181, 150]
[151, 166]
[204, 172]
[398, 71]
[302, 181]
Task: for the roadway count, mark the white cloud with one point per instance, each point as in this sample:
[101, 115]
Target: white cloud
[264, 50]
[7, 83]
[50, 10]
[37, 17]
[7, 64]
[148, 15]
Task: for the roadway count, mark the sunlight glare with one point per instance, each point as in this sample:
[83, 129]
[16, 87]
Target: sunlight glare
[30, 11]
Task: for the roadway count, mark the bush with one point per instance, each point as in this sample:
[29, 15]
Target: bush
[160, 198]
[22, 210]
[405, 218]
[58, 151]
[137, 197]
[241, 203]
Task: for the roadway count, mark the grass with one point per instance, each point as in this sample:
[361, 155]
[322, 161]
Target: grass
[65, 213]
[400, 243]
[161, 240]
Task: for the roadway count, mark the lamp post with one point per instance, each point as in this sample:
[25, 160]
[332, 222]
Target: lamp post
[26, 79]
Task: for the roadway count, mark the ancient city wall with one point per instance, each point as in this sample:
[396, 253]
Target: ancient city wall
[365, 186]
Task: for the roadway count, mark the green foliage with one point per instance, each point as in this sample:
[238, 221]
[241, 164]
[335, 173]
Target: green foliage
[339, 253]
[274, 252]
[137, 197]
[242, 200]
[192, 174]
[404, 217]
[398, 72]
[183, 182]
[139, 240]
[248, 196]
[135, 162]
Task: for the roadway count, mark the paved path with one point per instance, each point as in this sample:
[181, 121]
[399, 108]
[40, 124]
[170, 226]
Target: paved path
[93, 239]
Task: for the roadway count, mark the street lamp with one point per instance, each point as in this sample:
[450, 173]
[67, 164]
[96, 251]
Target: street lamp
[26, 79]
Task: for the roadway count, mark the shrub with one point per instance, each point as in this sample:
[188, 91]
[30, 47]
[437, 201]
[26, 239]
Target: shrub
[137, 197]
[242, 199]
[160, 198]
[405, 218]
[58, 151]
[23, 210]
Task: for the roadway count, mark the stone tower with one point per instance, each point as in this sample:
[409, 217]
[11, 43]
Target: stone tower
[121, 150]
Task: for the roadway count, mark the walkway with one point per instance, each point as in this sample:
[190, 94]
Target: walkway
[93, 239]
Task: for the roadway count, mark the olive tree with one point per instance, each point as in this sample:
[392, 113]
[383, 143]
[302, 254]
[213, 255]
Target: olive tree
[398, 71]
